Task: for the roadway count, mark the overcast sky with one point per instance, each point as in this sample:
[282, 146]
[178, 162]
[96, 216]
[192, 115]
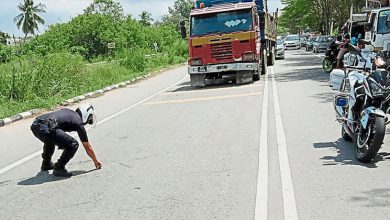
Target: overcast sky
[63, 10]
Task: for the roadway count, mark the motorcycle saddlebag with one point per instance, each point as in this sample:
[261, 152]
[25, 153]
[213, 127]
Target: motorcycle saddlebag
[337, 79]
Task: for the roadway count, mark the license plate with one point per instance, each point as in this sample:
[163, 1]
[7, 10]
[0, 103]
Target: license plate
[222, 67]
[202, 69]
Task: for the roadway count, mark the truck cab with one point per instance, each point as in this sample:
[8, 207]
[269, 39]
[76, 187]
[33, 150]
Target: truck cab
[378, 29]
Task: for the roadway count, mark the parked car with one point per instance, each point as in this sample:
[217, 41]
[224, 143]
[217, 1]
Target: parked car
[303, 41]
[309, 43]
[322, 43]
[279, 48]
[292, 42]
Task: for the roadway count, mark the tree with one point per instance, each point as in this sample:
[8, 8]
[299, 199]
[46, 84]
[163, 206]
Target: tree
[28, 19]
[3, 37]
[106, 7]
[180, 11]
[317, 15]
[146, 18]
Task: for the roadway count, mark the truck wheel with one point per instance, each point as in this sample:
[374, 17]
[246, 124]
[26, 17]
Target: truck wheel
[198, 80]
[256, 74]
[264, 63]
[271, 58]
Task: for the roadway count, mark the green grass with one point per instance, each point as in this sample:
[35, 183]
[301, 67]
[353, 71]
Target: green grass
[43, 82]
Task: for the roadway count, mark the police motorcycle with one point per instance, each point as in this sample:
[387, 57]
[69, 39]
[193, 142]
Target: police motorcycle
[358, 103]
[382, 63]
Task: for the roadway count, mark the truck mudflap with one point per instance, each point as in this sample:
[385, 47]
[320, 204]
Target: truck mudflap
[219, 68]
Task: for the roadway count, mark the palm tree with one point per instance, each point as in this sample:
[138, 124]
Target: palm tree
[28, 19]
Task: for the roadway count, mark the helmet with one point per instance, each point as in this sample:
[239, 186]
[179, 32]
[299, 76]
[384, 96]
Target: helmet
[87, 114]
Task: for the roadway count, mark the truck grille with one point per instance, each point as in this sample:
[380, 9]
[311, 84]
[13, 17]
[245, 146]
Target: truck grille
[222, 51]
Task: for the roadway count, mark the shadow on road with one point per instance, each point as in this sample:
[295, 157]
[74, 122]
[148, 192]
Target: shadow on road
[315, 74]
[345, 154]
[309, 68]
[186, 86]
[45, 177]
[373, 198]
[326, 97]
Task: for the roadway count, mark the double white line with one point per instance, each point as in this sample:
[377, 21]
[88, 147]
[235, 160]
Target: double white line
[290, 209]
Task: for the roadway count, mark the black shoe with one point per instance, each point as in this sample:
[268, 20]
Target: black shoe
[46, 166]
[61, 171]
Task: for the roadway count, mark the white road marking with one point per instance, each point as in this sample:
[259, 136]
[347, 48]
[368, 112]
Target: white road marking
[35, 154]
[290, 209]
[261, 210]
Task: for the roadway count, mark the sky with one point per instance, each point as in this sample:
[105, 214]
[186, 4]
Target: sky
[64, 10]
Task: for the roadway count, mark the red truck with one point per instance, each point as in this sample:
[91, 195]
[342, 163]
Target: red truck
[230, 39]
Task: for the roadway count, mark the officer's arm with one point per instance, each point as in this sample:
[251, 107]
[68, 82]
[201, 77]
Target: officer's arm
[87, 146]
[91, 153]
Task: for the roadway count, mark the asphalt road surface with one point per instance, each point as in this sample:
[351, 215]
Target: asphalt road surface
[268, 150]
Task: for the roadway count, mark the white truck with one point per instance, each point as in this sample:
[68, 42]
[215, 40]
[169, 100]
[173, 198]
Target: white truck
[378, 29]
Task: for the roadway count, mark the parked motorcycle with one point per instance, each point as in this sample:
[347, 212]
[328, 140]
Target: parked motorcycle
[359, 104]
[382, 65]
[330, 60]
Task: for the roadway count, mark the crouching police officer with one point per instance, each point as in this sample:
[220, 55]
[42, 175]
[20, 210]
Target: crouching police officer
[50, 129]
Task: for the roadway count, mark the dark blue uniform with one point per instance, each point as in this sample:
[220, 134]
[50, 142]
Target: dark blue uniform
[51, 129]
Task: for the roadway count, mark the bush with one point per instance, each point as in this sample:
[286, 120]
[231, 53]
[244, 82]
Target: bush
[51, 68]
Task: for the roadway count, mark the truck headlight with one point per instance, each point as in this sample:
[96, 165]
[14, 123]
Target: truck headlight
[196, 62]
[248, 57]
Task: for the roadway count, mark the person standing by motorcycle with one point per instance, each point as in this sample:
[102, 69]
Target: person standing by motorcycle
[50, 129]
[343, 50]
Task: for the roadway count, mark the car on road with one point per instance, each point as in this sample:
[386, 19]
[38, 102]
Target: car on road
[322, 43]
[279, 48]
[303, 41]
[309, 43]
[292, 42]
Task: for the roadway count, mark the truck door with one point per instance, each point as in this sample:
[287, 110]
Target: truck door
[371, 32]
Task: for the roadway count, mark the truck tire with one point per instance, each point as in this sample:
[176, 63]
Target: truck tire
[256, 76]
[264, 63]
[271, 58]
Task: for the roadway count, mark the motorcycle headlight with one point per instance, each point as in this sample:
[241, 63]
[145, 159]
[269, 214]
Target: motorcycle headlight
[380, 62]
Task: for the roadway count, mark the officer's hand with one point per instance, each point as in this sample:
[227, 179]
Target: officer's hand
[98, 165]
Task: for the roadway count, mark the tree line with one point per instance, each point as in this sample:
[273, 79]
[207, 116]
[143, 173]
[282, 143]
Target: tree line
[51, 67]
[322, 16]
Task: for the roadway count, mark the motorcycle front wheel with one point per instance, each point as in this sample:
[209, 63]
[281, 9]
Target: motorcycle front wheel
[327, 65]
[370, 141]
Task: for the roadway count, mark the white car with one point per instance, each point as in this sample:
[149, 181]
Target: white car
[279, 49]
[292, 42]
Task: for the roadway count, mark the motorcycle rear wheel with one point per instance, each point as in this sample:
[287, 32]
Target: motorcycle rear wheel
[327, 65]
[369, 143]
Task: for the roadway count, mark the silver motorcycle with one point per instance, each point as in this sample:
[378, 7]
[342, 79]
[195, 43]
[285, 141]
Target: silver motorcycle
[359, 101]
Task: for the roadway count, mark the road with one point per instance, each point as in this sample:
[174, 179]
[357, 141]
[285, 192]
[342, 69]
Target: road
[269, 150]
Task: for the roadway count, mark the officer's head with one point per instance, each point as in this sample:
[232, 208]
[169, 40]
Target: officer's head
[87, 114]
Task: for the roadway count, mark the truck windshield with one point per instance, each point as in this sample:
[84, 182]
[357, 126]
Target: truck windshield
[384, 22]
[219, 23]
[292, 38]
